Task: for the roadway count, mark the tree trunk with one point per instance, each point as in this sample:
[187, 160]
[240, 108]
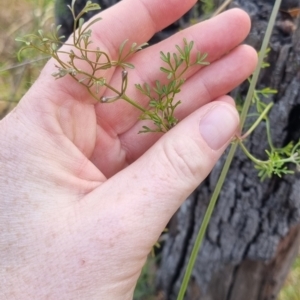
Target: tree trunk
[254, 234]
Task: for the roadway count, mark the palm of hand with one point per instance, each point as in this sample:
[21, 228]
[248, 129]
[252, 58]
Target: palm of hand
[80, 208]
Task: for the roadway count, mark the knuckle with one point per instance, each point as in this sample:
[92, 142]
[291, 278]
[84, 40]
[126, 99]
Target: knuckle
[184, 159]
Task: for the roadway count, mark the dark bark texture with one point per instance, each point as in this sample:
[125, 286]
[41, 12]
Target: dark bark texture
[254, 234]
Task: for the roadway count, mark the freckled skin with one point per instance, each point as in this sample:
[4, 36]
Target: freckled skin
[109, 192]
[63, 17]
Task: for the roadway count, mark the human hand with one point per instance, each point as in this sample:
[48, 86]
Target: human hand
[83, 197]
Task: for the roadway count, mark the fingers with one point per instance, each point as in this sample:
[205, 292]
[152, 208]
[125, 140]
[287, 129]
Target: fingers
[224, 74]
[210, 83]
[133, 20]
[137, 21]
[150, 190]
[216, 37]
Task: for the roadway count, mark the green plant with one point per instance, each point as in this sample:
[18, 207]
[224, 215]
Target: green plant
[207, 6]
[216, 192]
[146, 283]
[278, 158]
[15, 77]
[161, 97]
[291, 289]
[161, 108]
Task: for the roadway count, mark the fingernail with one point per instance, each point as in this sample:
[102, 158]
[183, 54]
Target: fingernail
[218, 126]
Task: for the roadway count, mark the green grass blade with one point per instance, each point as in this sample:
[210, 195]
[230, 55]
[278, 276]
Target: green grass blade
[230, 156]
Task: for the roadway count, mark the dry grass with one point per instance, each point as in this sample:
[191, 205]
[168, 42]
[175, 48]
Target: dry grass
[291, 289]
[17, 18]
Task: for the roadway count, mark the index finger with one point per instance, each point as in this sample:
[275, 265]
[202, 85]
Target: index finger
[133, 20]
[137, 20]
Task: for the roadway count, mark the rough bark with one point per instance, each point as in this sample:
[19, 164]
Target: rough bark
[254, 234]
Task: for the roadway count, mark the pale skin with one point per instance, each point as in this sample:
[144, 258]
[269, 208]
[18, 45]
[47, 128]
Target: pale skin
[83, 196]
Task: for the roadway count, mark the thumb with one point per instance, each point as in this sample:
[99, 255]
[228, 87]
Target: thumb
[150, 190]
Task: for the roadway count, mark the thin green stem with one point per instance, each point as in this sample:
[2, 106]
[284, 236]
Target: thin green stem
[228, 161]
[132, 102]
[112, 89]
[205, 222]
[255, 124]
[249, 155]
[269, 138]
[295, 148]
[74, 29]
[260, 62]
[24, 64]
[183, 71]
